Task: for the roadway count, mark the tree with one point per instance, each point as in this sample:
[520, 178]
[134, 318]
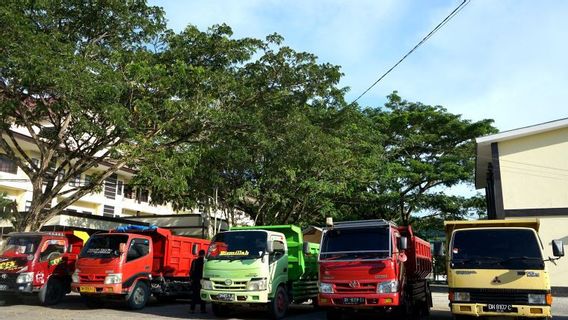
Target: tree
[91, 87]
[427, 149]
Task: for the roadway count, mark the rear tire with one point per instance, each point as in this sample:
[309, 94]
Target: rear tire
[219, 310]
[138, 297]
[278, 306]
[52, 292]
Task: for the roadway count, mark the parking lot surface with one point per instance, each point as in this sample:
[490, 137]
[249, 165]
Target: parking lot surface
[73, 308]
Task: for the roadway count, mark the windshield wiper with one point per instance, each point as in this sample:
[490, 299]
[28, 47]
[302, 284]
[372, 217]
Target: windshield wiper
[479, 260]
[522, 258]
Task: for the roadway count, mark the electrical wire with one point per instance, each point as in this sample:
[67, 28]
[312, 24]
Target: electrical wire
[428, 36]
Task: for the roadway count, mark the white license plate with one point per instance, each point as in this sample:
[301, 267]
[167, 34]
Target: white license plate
[3, 287]
[226, 296]
[493, 307]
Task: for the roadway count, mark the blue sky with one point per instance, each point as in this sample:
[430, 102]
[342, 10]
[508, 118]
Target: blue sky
[506, 60]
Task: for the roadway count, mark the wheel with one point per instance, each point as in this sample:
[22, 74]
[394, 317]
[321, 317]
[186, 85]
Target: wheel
[334, 314]
[279, 304]
[219, 310]
[52, 292]
[138, 297]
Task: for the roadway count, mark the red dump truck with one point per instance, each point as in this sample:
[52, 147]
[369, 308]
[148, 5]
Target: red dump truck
[374, 265]
[131, 263]
[39, 263]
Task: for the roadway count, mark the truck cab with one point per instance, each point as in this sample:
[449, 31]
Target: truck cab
[261, 266]
[373, 265]
[39, 263]
[496, 268]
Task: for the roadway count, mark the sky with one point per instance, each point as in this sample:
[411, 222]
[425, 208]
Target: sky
[505, 60]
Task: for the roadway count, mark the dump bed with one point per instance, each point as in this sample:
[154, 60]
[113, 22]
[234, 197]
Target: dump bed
[173, 254]
[300, 265]
[419, 262]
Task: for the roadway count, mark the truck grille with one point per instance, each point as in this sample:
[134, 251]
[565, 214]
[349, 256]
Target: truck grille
[233, 286]
[356, 287]
[97, 278]
[502, 296]
[9, 280]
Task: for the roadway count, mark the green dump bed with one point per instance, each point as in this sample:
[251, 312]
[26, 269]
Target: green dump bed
[300, 266]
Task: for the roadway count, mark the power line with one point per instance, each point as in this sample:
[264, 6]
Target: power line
[428, 36]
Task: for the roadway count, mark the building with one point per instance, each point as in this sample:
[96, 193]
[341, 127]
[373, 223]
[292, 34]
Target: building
[525, 174]
[117, 202]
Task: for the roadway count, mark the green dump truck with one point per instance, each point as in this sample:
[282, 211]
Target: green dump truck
[260, 266]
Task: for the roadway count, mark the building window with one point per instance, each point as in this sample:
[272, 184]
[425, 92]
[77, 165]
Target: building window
[110, 187]
[108, 211]
[7, 165]
[142, 195]
[128, 191]
[28, 206]
[119, 188]
[75, 181]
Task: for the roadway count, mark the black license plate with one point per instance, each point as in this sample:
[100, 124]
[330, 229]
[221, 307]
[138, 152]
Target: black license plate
[4, 287]
[495, 307]
[353, 300]
[226, 296]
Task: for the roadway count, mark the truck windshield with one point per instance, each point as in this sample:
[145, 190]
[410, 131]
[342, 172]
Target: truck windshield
[355, 243]
[496, 249]
[103, 246]
[237, 245]
[20, 246]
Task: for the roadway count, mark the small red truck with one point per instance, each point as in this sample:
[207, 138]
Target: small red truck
[374, 265]
[39, 263]
[131, 263]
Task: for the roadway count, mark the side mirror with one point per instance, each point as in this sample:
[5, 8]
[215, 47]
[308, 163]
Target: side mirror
[270, 246]
[558, 248]
[306, 248]
[122, 248]
[402, 243]
[439, 249]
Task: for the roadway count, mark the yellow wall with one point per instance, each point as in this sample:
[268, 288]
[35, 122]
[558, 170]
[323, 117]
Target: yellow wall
[534, 171]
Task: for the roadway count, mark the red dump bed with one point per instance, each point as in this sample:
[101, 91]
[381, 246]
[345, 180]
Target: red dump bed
[173, 254]
[419, 254]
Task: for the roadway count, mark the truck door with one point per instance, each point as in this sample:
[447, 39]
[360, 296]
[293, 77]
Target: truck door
[138, 261]
[278, 264]
[50, 259]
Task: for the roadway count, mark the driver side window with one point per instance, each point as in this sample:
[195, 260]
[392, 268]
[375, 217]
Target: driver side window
[279, 250]
[138, 248]
[51, 250]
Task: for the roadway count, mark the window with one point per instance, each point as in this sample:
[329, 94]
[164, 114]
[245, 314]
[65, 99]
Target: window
[279, 250]
[128, 191]
[52, 249]
[138, 249]
[28, 205]
[7, 165]
[75, 181]
[110, 187]
[119, 188]
[142, 195]
[108, 211]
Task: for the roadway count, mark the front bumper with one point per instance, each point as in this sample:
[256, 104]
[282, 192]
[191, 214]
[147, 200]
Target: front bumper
[99, 289]
[237, 296]
[18, 288]
[367, 300]
[477, 310]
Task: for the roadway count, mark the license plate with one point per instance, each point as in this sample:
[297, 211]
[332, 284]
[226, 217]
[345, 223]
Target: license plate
[353, 300]
[3, 287]
[504, 308]
[226, 296]
[87, 289]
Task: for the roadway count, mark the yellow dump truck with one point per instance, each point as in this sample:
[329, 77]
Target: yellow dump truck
[497, 268]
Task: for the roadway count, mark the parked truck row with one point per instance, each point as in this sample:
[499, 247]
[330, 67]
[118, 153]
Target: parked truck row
[495, 268]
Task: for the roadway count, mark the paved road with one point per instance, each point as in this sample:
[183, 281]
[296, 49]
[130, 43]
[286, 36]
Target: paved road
[72, 308]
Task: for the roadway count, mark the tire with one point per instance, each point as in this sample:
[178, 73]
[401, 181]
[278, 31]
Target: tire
[52, 292]
[219, 310]
[279, 304]
[334, 314]
[138, 297]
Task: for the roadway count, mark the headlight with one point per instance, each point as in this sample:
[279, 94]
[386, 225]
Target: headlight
[75, 276]
[388, 287]
[257, 285]
[537, 298]
[113, 278]
[461, 296]
[326, 288]
[206, 284]
[25, 277]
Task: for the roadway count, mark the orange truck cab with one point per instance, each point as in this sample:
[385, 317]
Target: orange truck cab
[131, 263]
[39, 263]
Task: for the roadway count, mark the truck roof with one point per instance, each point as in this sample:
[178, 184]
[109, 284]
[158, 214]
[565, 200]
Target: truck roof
[363, 223]
[532, 223]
